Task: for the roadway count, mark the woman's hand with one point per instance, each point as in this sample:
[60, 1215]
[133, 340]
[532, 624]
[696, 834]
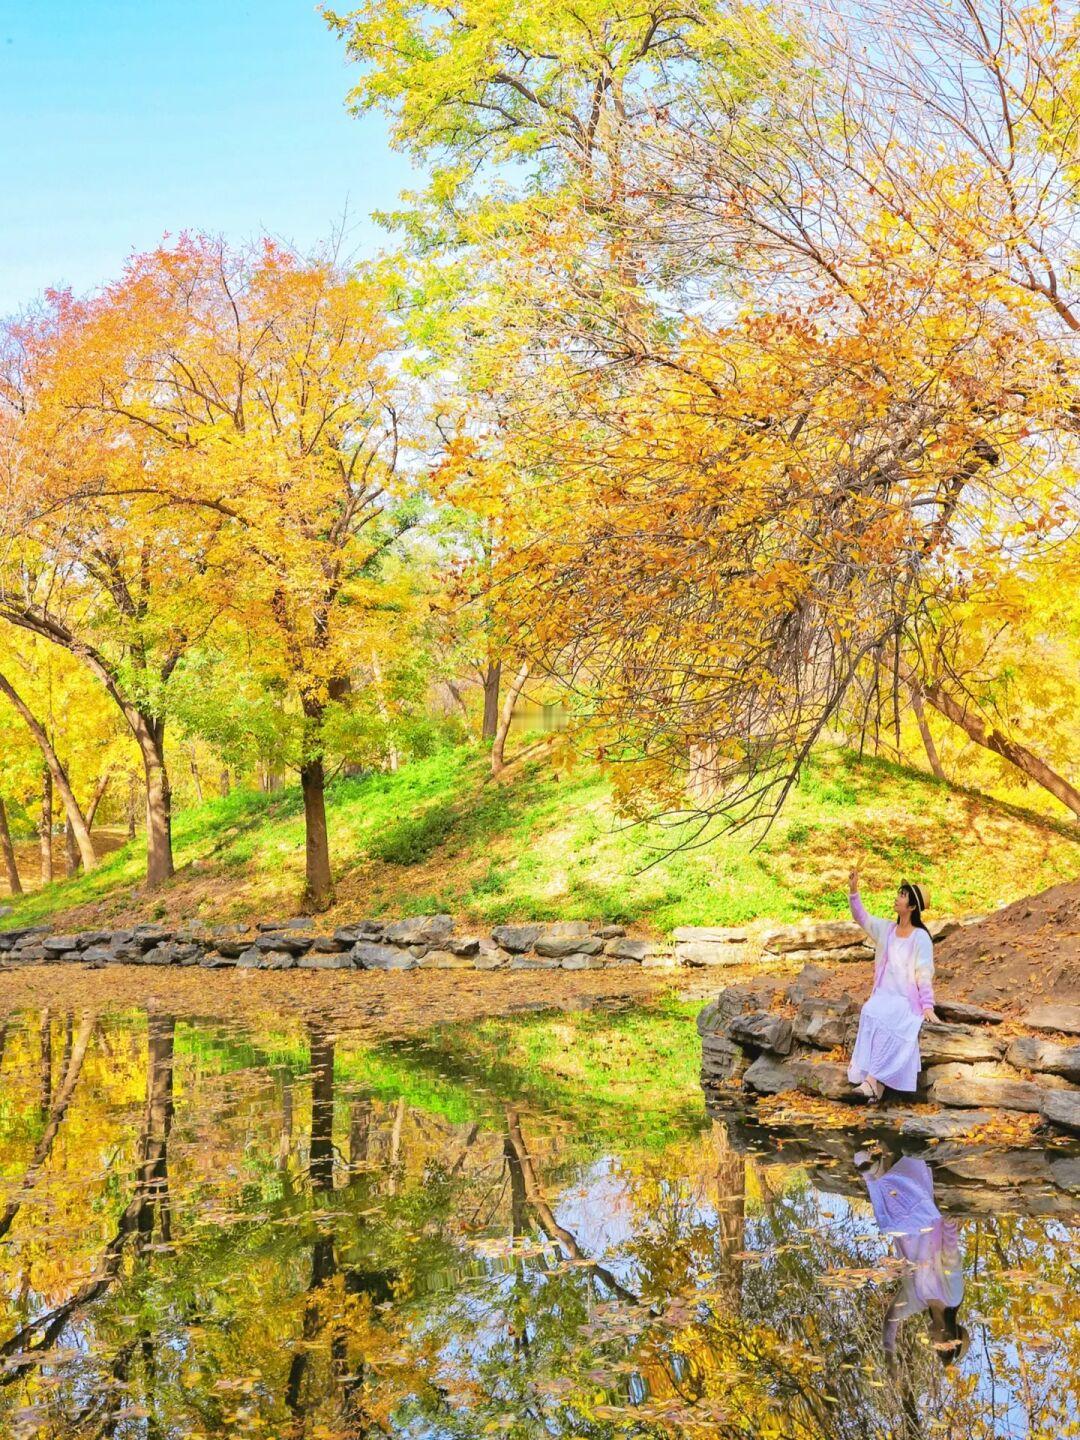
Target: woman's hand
[930, 1015]
[853, 880]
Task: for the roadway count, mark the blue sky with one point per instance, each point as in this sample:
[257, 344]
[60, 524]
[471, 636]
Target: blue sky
[121, 120]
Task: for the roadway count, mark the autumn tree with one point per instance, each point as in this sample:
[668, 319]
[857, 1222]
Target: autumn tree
[269, 392]
[792, 363]
[94, 563]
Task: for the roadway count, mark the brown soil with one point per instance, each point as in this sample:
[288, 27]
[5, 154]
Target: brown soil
[1026, 952]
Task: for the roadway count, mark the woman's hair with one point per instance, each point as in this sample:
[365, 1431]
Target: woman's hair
[915, 900]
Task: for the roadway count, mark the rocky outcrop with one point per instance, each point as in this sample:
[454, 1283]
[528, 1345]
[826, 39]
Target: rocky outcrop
[773, 1042]
[1063, 1019]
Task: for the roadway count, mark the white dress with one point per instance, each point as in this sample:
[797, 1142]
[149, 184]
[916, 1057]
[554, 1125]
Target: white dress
[887, 1045]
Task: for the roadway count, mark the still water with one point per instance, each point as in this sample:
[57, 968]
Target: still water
[215, 1229]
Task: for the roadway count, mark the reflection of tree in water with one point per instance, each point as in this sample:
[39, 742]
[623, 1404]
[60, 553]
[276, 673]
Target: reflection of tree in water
[147, 1210]
[335, 1286]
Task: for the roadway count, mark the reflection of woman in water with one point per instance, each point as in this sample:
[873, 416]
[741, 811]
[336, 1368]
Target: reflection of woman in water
[887, 1045]
[902, 1194]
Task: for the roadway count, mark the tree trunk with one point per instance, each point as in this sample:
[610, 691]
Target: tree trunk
[153, 1172]
[150, 734]
[45, 828]
[393, 758]
[71, 851]
[95, 799]
[319, 884]
[223, 783]
[54, 1110]
[492, 677]
[321, 1147]
[195, 773]
[991, 739]
[8, 850]
[45, 1066]
[498, 748]
[924, 731]
[131, 806]
[57, 776]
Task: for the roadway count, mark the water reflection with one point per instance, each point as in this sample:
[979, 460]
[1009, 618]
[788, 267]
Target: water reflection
[212, 1231]
[901, 1191]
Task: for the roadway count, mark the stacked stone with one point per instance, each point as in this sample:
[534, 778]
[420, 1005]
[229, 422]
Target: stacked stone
[966, 1063]
[419, 942]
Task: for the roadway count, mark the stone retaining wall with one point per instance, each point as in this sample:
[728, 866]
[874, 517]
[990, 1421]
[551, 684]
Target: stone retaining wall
[771, 1040]
[433, 942]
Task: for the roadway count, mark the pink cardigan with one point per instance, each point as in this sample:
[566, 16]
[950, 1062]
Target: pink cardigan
[920, 991]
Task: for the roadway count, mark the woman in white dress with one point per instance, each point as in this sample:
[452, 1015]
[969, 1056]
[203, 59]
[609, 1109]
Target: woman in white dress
[887, 1045]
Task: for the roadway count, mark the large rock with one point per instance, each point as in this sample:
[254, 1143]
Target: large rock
[420, 930]
[769, 1076]
[965, 1014]
[517, 938]
[287, 941]
[445, 960]
[1031, 1052]
[59, 944]
[533, 962]
[164, 954]
[233, 946]
[712, 1019]
[827, 1078]
[1063, 1018]
[722, 1059]
[348, 935]
[339, 960]
[328, 945]
[743, 999]
[994, 1167]
[149, 935]
[710, 952]
[567, 937]
[463, 944]
[1066, 1173]
[491, 956]
[249, 959]
[825, 1023]
[939, 1043]
[95, 956]
[373, 956]
[628, 950]
[963, 1087]
[583, 960]
[762, 1031]
[944, 1124]
[942, 929]
[280, 959]
[215, 960]
[808, 981]
[814, 935]
[1062, 1108]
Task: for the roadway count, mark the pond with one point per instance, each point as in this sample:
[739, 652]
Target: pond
[214, 1228]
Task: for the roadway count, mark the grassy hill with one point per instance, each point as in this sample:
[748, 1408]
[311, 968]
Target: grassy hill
[438, 835]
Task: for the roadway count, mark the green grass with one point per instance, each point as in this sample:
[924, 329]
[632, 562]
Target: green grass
[438, 835]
